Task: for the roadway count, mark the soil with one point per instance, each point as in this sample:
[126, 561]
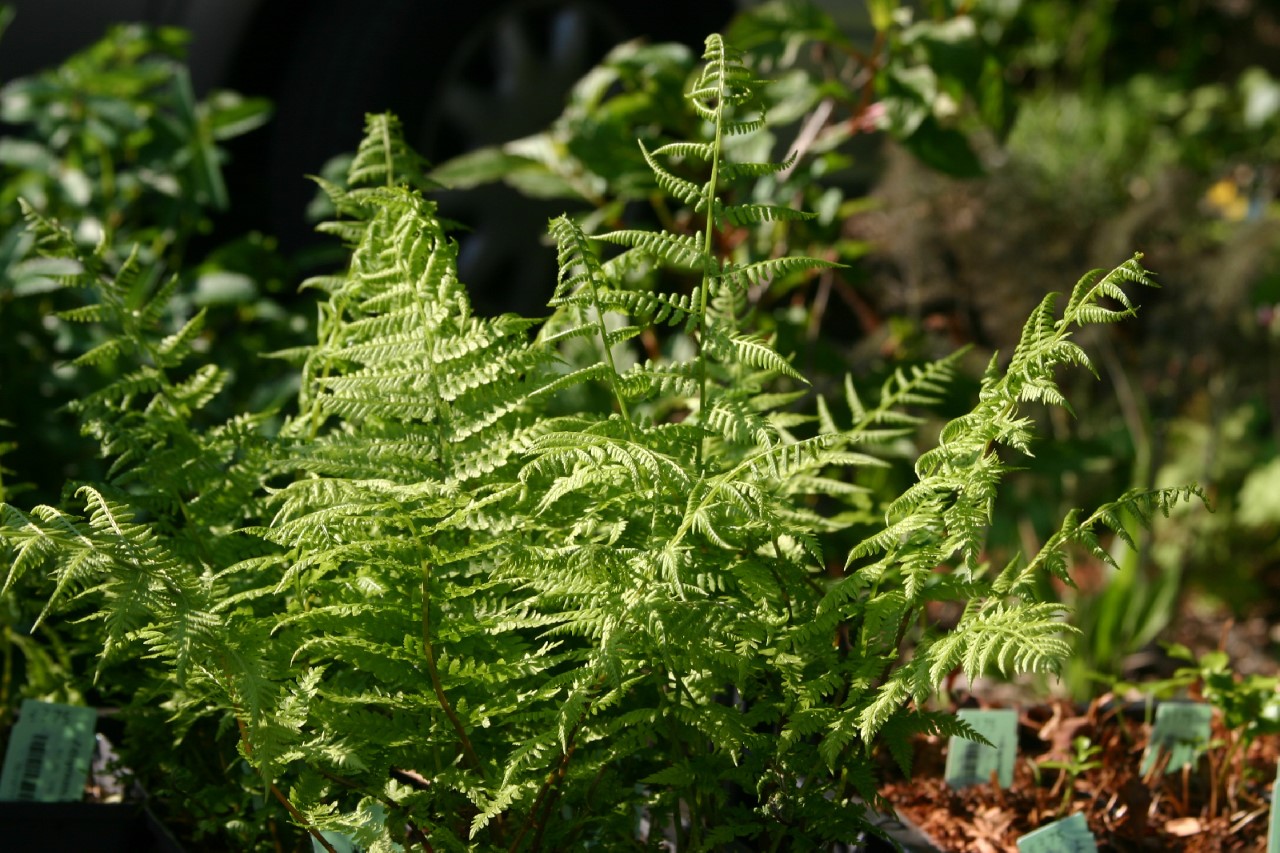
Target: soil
[1206, 807]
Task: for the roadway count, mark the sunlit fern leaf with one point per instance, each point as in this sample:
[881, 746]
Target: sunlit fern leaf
[97, 313]
[754, 214]
[655, 308]
[104, 353]
[384, 158]
[737, 424]
[649, 380]
[683, 251]
[736, 171]
[699, 150]
[573, 252]
[764, 272]
[1020, 638]
[684, 190]
[750, 351]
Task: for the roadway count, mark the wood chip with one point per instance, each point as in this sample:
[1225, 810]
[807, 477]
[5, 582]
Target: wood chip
[1184, 826]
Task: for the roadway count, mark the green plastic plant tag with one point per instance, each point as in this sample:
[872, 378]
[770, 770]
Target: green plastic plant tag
[340, 842]
[50, 749]
[970, 762]
[1273, 831]
[1182, 730]
[371, 814]
[1069, 835]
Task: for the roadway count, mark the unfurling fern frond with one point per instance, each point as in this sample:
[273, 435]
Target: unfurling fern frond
[383, 158]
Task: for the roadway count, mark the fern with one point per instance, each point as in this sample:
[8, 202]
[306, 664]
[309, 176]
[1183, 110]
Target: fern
[449, 589]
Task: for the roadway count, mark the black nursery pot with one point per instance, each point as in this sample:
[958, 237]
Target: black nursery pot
[905, 835]
[100, 827]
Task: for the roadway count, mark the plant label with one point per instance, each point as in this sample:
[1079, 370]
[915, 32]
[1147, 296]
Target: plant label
[1069, 835]
[50, 749]
[374, 816]
[1182, 730]
[970, 762]
[1273, 831]
[337, 840]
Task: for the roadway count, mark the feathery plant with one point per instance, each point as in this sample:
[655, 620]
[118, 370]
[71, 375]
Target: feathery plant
[444, 607]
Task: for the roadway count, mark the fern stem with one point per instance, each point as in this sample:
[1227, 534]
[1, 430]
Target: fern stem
[437, 687]
[297, 816]
[316, 834]
[433, 673]
[391, 159]
[708, 243]
[545, 800]
[608, 354]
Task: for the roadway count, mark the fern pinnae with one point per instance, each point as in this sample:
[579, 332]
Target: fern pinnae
[680, 250]
[764, 272]
[574, 251]
[684, 190]
[700, 150]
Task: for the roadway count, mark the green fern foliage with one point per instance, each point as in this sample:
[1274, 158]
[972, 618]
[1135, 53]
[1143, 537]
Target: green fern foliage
[449, 593]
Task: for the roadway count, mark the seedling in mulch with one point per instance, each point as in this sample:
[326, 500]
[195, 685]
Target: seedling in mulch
[1084, 759]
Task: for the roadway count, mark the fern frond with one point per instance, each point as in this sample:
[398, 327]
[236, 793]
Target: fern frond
[1022, 638]
[698, 150]
[384, 158]
[764, 272]
[754, 214]
[751, 351]
[734, 421]
[737, 171]
[677, 187]
[681, 250]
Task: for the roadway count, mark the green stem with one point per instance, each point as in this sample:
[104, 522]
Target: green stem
[386, 147]
[437, 687]
[434, 675]
[608, 355]
[243, 729]
[708, 243]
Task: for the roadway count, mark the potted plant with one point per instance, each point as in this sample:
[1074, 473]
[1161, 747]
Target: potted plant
[496, 582]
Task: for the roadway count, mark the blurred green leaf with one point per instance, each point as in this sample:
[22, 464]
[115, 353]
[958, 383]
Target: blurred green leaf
[1259, 499]
[882, 12]
[224, 287]
[908, 98]
[482, 166]
[231, 114]
[944, 149]
[1261, 94]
